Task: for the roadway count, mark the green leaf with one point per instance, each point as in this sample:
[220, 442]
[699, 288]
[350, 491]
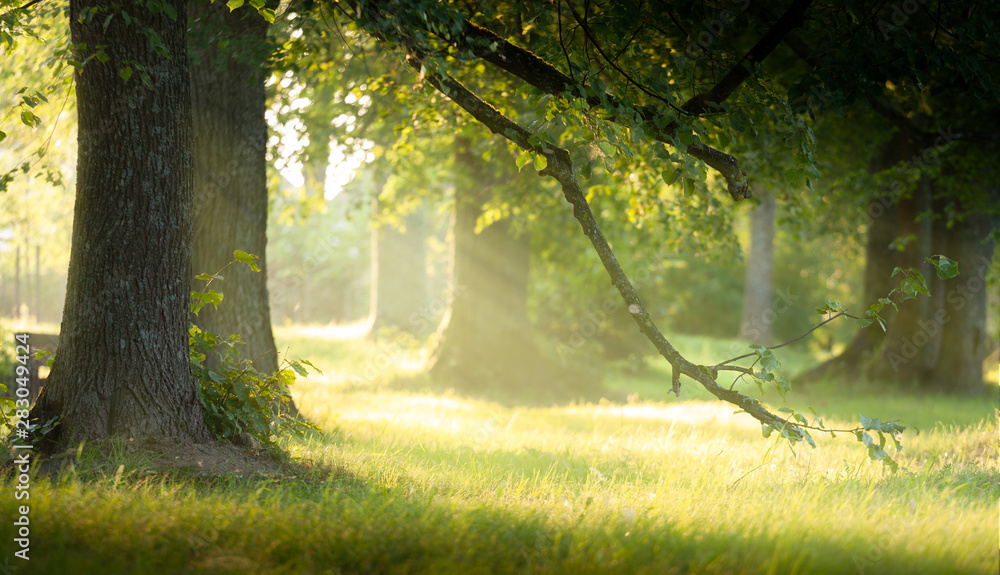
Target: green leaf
[249, 259]
[298, 369]
[541, 162]
[766, 429]
[946, 268]
[240, 390]
[267, 13]
[3, 135]
[234, 4]
[316, 369]
[125, 73]
[169, 10]
[869, 423]
[522, 159]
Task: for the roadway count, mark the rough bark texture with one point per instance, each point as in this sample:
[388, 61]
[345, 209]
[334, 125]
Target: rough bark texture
[122, 367]
[230, 137]
[402, 274]
[758, 287]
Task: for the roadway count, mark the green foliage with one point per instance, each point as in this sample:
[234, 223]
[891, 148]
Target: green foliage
[237, 399]
[8, 381]
[770, 371]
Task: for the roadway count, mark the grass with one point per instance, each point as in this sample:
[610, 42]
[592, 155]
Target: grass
[418, 482]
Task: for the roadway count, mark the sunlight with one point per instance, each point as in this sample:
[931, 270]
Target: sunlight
[337, 332]
[689, 412]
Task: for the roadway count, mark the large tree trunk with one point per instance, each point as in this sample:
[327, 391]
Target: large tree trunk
[904, 351]
[402, 274]
[962, 317]
[230, 137]
[758, 287]
[122, 367]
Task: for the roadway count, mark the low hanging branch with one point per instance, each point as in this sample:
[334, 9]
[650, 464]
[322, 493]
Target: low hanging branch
[560, 167]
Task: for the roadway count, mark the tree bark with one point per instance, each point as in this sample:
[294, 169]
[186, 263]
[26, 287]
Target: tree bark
[489, 315]
[230, 138]
[880, 259]
[758, 287]
[122, 367]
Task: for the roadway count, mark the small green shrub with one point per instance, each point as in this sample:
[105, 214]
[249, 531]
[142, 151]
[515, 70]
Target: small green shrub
[237, 399]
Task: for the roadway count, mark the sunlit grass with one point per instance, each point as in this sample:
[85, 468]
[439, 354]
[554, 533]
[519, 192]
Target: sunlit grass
[406, 481]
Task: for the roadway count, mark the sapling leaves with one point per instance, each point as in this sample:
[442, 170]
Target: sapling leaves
[236, 398]
[249, 259]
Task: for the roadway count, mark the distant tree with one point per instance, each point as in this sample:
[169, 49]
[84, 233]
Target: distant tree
[758, 291]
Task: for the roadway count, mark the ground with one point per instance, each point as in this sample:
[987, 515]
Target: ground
[427, 481]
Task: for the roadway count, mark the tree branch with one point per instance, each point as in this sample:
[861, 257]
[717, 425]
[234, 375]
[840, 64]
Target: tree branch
[560, 168]
[792, 18]
[485, 44]
[21, 8]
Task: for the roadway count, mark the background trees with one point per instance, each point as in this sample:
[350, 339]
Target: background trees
[659, 108]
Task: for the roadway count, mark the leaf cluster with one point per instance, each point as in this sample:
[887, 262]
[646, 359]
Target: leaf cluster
[237, 399]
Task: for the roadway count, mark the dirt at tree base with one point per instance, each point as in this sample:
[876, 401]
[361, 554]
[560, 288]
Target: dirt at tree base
[158, 455]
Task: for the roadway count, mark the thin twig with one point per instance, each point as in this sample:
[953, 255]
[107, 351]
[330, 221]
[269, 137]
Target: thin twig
[586, 31]
[569, 63]
[19, 8]
[844, 313]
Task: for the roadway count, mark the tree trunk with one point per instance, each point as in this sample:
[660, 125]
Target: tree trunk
[903, 354]
[486, 344]
[758, 287]
[489, 313]
[230, 138]
[880, 259]
[402, 274]
[122, 367]
[962, 318]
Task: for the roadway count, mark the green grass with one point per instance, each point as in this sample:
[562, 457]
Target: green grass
[414, 482]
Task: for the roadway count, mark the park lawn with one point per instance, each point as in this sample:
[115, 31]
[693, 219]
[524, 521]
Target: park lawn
[411, 481]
